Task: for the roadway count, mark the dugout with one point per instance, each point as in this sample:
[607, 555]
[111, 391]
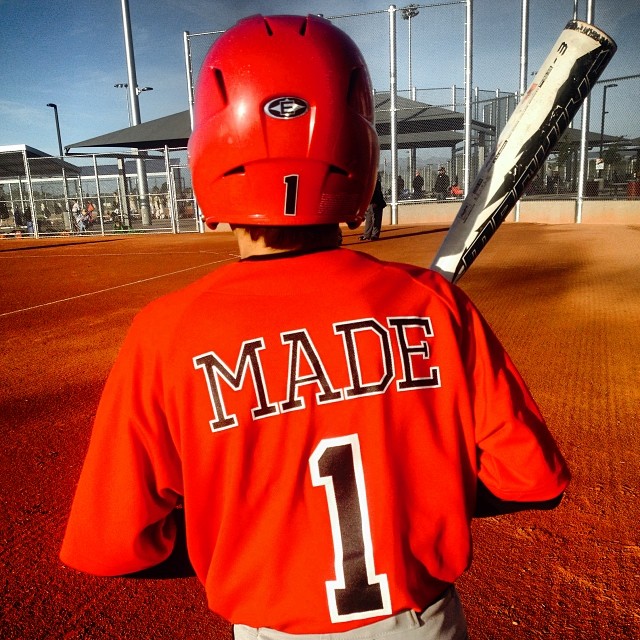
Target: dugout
[23, 172]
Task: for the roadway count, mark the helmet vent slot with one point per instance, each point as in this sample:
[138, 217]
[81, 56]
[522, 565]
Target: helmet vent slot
[220, 100]
[303, 27]
[358, 97]
[235, 171]
[354, 85]
[267, 26]
[334, 169]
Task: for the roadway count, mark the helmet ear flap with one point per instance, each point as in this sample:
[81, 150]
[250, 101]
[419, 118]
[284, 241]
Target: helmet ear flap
[208, 222]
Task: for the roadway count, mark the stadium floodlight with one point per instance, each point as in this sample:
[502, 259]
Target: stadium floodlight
[139, 90]
[408, 12]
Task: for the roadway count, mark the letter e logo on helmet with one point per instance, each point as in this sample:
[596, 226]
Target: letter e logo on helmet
[286, 108]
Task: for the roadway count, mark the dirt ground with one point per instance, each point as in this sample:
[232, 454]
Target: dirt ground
[565, 301]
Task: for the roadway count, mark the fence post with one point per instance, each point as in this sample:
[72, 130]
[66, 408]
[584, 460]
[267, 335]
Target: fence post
[393, 116]
[98, 194]
[32, 205]
[171, 192]
[468, 75]
[584, 159]
[524, 66]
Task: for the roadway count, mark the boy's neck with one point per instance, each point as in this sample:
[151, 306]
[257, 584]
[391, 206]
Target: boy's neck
[249, 247]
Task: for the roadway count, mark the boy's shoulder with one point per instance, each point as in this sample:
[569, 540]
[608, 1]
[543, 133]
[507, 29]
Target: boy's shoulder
[172, 307]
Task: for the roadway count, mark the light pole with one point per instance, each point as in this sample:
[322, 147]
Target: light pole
[124, 85]
[55, 111]
[139, 90]
[408, 12]
[133, 93]
[142, 174]
[604, 102]
[65, 191]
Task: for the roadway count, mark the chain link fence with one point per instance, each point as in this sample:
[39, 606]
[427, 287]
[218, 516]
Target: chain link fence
[429, 121]
[91, 194]
[421, 129]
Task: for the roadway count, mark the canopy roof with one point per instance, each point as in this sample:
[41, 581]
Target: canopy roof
[12, 162]
[171, 131]
[420, 125]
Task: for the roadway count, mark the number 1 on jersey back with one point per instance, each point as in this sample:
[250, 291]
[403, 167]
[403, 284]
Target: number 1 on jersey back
[357, 592]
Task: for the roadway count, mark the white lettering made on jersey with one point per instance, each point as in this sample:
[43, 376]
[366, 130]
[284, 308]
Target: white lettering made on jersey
[301, 345]
[409, 381]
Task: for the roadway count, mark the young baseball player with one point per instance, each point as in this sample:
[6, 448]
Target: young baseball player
[333, 422]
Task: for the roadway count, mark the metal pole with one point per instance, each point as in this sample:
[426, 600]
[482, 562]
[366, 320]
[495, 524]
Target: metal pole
[65, 214]
[584, 160]
[32, 204]
[524, 47]
[125, 85]
[143, 188]
[171, 194]
[410, 73]
[187, 61]
[131, 65]
[190, 88]
[393, 116]
[55, 112]
[604, 102]
[408, 12]
[468, 75]
[524, 66]
[98, 194]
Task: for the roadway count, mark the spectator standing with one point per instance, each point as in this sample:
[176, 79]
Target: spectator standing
[441, 186]
[373, 215]
[418, 186]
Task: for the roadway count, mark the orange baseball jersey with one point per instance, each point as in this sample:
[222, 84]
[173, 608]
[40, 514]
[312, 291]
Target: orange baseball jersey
[325, 418]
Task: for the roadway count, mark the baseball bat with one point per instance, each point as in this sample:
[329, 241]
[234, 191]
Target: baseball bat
[543, 114]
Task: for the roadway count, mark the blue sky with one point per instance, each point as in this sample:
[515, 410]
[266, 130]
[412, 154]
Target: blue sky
[71, 52]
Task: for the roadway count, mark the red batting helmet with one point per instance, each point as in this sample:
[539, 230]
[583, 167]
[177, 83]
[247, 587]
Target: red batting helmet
[283, 131]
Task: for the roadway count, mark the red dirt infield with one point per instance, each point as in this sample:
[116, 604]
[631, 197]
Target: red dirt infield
[565, 301]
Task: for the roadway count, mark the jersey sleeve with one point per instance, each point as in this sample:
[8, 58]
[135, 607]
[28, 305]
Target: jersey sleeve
[518, 458]
[121, 517]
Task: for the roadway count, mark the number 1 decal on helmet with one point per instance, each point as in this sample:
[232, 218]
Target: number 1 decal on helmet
[290, 195]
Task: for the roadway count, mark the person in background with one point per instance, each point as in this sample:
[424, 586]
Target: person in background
[441, 185]
[373, 215]
[418, 186]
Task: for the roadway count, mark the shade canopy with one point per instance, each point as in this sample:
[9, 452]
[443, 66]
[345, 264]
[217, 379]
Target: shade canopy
[171, 131]
[12, 163]
[420, 126]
